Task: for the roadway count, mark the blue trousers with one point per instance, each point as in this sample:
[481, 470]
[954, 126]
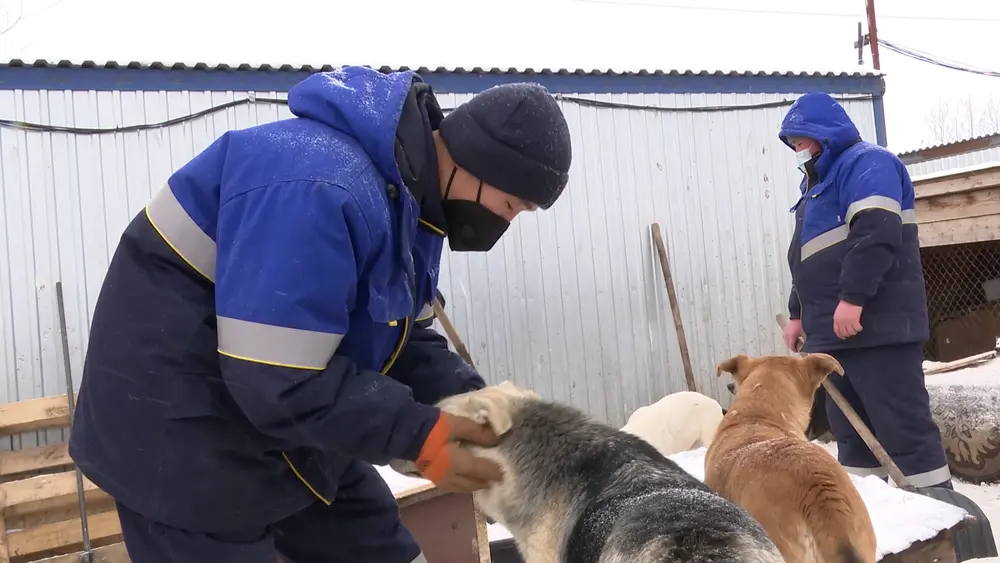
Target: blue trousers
[885, 385]
[362, 524]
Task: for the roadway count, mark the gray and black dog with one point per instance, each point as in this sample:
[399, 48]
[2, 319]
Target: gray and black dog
[578, 491]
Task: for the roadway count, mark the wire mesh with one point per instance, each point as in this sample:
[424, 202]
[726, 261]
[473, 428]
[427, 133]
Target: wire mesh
[963, 299]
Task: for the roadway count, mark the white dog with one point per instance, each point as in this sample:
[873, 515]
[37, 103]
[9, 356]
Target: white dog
[676, 423]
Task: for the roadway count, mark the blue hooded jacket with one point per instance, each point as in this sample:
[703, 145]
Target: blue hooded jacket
[855, 234]
[240, 347]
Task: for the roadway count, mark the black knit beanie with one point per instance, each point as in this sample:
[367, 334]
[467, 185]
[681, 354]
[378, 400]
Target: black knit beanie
[513, 137]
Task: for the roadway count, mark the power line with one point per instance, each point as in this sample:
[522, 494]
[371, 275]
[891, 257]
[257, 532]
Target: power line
[936, 60]
[634, 3]
[585, 102]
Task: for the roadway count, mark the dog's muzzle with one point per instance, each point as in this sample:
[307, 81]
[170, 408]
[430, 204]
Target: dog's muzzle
[732, 387]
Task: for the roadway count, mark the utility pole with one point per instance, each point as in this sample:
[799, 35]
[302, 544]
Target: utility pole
[872, 32]
[860, 45]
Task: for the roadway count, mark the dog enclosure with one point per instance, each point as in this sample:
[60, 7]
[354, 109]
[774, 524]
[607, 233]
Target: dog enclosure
[959, 217]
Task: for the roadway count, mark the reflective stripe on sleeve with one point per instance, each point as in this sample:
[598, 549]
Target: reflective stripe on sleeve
[872, 202]
[181, 233]
[276, 345]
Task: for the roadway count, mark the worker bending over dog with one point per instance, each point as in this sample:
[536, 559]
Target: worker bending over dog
[858, 289]
[263, 335]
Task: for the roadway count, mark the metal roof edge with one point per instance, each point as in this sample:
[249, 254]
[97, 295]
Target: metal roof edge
[322, 67]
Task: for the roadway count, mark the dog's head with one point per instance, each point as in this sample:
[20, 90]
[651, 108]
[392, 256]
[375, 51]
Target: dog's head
[493, 405]
[788, 381]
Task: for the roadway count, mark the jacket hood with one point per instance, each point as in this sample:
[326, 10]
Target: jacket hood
[361, 102]
[818, 116]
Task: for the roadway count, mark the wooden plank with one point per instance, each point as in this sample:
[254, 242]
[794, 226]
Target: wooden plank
[483, 538]
[4, 545]
[418, 494]
[34, 414]
[114, 553]
[938, 549]
[957, 183]
[960, 231]
[445, 528]
[45, 538]
[46, 492]
[979, 203]
[34, 459]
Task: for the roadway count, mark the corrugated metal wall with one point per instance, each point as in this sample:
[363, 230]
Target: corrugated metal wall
[571, 302]
[965, 160]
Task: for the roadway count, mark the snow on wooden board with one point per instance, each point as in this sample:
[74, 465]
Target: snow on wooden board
[983, 374]
[899, 518]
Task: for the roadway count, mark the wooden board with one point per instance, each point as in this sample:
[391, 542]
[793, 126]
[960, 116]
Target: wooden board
[34, 414]
[61, 535]
[938, 549]
[114, 553]
[32, 460]
[960, 231]
[956, 183]
[445, 527]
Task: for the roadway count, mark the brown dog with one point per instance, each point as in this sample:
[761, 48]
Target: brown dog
[761, 461]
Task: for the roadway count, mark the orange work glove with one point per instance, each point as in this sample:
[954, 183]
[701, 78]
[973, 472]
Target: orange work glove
[450, 467]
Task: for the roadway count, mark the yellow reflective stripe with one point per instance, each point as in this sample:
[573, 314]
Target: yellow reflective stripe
[426, 313]
[399, 347]
[181, 233]
[824, 241]
[871, 202]
[909, 216]
[304, 482]
[431, 227]
[276, 345]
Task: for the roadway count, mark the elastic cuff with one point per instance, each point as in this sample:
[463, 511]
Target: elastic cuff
[433, 462]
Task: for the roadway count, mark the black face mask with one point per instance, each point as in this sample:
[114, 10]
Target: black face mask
[471, 226]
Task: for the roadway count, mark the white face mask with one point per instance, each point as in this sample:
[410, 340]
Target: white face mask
[802, 157]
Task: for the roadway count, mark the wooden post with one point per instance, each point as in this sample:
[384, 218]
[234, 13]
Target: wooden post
[668, 279]
[872, 33]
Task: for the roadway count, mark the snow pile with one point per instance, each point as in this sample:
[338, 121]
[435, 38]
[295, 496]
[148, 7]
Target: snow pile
[983, 374]
[899, 518]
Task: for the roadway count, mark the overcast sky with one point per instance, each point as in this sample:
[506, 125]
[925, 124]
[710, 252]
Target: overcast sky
[665, 34]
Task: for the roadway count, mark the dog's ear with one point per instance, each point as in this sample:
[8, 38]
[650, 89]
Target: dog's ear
[822, 365]
[738, 366]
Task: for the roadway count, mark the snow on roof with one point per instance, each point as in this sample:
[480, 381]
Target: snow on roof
[317, 66]
[960, 171]
[923, 148]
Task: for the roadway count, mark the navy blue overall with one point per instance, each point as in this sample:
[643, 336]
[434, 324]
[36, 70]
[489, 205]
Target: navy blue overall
[856, 240]
[263, 336]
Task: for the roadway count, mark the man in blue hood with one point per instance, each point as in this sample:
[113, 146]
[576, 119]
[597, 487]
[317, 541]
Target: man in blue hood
[858, 288]
[263, 335]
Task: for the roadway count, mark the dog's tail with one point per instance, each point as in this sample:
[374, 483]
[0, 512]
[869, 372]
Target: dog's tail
[840, 525]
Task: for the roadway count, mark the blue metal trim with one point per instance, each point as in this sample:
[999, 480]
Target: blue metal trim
[106, 79]
[880, 133]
